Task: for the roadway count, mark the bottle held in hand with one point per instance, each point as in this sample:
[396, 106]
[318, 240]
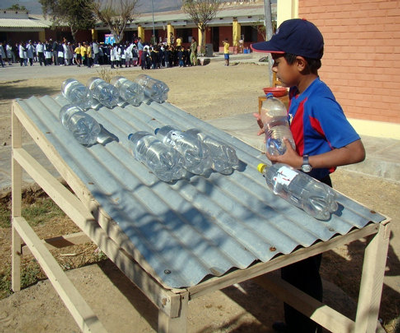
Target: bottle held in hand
[276, 125]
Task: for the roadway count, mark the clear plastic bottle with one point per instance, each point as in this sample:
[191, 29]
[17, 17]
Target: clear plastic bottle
[103, 92]
[223, 156]
[76, 93]
[301, 190]
[196, 155]
[131, 92]
[155, 90]
[84, 128]
[276, 125]
[165, 162]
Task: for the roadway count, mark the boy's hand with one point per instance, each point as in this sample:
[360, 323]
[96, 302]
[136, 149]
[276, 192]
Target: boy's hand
[290, 157]
[259, 123]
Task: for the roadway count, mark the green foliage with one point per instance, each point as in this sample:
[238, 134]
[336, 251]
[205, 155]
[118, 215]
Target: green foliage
[17, 7]
[77, 14]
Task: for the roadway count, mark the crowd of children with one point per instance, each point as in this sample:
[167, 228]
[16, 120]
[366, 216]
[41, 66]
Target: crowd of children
[89, 54]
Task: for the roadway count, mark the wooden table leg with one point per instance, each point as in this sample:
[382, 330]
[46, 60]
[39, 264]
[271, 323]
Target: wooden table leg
[167, 324]
[372, 281]
[16, 189]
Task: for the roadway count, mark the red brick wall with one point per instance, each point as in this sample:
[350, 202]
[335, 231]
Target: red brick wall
[361, 63]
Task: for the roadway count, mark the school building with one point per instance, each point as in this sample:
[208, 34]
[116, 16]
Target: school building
[360, 63]
[239, 21]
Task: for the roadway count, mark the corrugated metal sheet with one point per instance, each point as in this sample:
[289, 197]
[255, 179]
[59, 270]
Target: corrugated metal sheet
[196, 227]
[22, 23]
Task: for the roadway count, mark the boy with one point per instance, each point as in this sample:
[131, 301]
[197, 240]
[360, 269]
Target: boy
[323, 136]
[226, 51]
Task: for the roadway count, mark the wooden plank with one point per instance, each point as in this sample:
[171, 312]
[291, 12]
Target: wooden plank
[238, 276]
[178, 324]
[77, 306]
[75, 209]
[61, 241]
[16, 261]
[16, 188]
[317, 311]
[371, 285]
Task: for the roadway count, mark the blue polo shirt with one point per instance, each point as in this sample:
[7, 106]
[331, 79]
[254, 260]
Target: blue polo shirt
[318, 123]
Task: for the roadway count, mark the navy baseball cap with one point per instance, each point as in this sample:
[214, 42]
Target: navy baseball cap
[296, 36]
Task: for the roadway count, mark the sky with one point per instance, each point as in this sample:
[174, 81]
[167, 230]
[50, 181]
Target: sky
[34, 6]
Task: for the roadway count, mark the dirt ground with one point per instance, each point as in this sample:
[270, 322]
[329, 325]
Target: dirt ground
[207, 92]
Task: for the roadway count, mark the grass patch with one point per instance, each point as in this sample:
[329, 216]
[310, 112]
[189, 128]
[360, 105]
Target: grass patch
[5, 215]
[41, 211]
[5, 283]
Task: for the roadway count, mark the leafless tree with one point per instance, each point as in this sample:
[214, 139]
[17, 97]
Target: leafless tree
[201, 12]
[268, 30]
[116, 14]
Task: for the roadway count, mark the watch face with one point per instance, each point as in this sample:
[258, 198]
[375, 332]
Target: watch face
[306, 167]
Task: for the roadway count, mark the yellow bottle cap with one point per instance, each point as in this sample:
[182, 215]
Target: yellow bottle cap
[261, 167]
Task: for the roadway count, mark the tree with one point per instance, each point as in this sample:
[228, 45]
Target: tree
[201, 12]
[77, 14]
[17, 7]
[115, 14]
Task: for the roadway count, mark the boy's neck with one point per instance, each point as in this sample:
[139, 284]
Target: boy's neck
[305, 81]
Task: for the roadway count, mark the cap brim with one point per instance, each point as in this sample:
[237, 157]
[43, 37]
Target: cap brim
[265, 47]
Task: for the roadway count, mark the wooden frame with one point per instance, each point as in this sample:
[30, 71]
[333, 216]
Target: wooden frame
[172, 304]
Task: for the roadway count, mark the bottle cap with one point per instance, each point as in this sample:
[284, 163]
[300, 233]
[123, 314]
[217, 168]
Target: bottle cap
[269, 95]
[261, 167]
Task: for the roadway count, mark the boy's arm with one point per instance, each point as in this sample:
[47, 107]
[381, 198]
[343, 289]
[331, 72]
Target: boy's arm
[349, 154]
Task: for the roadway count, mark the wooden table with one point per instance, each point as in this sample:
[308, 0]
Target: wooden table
[202, 197]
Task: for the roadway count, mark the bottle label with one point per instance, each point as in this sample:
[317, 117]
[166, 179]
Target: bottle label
[173, 138]
[284, 176]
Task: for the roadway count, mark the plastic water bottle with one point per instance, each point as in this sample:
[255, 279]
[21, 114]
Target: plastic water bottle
[131, 92]
[103, 92]
[276, 125]
[84, 128]
[165, 162]
[155, 90]
[196, 155]
[315, 198]
[223, 156]
[77, 93]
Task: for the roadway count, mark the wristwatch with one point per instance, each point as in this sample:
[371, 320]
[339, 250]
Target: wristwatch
[306, 166]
